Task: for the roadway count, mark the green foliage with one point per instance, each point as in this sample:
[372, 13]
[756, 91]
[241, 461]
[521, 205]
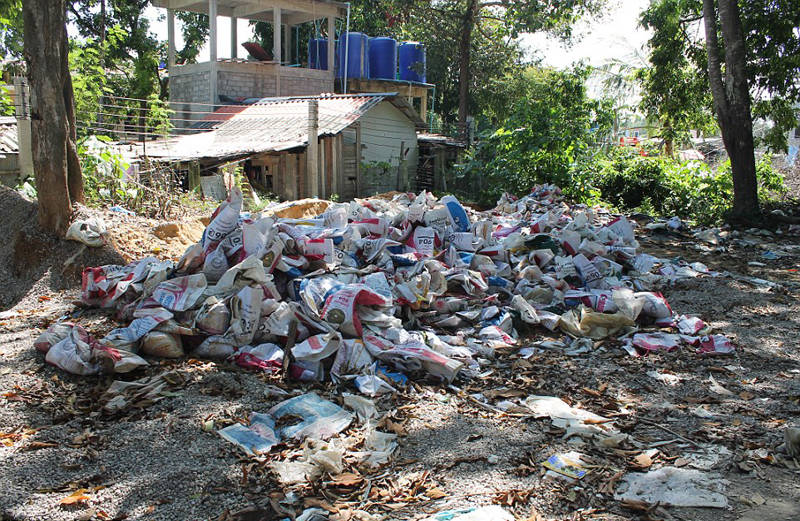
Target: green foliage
[676, 93]
[552, 130]
[6, 102]
[195, 33]
[676, 89]
[11, 29]
[659, 185]
[104, 174]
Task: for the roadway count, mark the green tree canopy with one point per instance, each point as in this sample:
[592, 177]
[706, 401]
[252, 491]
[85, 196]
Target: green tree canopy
[676, 87]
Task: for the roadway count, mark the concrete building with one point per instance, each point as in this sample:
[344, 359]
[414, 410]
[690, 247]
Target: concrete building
[195, 87]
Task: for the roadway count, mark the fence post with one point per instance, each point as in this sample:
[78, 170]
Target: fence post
[312, 152]
[22, 106]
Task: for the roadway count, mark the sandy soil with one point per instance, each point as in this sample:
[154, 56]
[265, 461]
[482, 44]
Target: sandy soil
[157, 461]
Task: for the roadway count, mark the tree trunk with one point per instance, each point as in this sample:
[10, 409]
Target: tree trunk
[74, 176]
[732, 103]
[464, 51]
[46, 53]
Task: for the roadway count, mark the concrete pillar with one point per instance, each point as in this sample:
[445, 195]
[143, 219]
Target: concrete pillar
[312, 152]
[277, 56]
[277, 27]
[234, 38]
[170, 39]
[22, 106]
[212, 49]
[287, 44]
[332, 46]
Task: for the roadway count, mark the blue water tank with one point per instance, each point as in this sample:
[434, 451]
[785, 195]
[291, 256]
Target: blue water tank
[412, 62]
[382, 58]
[356, 46]
[318, 54]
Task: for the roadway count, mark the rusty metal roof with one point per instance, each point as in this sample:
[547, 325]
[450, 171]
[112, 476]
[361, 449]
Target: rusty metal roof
[8, 135]
[270, 125]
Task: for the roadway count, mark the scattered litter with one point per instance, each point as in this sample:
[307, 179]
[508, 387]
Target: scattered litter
[679, 487]
[486, 513]
[319, 419]
[666, 378]
[576, 421]
[140, 393]
[568, 465]
[90, 232]
[715, 387]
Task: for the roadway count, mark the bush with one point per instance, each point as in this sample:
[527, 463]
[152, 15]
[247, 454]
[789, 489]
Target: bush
[663, 186]
[550, 129]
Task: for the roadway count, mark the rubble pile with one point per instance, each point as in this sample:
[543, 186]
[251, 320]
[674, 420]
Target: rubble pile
[423, 286]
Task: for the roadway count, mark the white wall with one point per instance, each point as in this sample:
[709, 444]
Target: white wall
[383, 129]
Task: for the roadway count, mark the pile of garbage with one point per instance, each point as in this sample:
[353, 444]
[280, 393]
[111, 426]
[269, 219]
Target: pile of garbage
[415, 284]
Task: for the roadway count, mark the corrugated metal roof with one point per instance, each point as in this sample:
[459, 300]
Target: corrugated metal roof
[269, 125]
[8, 135]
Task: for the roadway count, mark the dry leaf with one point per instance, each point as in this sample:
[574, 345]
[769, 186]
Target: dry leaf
[36, 445]
[76, 497]
[435, 493]
[314, 502]
[639, 506]
[643, 461]
[591, 392]
[347, 479]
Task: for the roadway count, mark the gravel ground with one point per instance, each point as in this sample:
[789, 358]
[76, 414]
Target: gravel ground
[158, 462]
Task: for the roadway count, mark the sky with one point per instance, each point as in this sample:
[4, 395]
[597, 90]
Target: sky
[615, 35]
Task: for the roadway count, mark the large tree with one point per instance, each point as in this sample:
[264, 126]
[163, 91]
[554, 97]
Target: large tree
[732, 104]
[55, 159]
[735, 60]
[498, 20]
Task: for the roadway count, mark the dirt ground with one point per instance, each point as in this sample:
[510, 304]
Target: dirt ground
[162, 461]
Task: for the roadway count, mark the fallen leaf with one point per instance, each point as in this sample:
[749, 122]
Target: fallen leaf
[347, 479]
[314, 502]
[632, 504]
[643, 461]
[36, 445]
[76, 497]
[435, 493]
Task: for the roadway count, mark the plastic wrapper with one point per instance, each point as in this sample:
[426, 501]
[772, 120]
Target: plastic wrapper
[245, 309]
[263, 357]
[413, 356]
[53, 335]
[317, 347]
[339, 310]
[352, 358]
[587, 323]
[215, 347]
[657, 341]
[320, 419]
[373, 385]
[181, 293]
[75, 353]
[223, 221]
[213, 317]
[90, 232]
[163, 345]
